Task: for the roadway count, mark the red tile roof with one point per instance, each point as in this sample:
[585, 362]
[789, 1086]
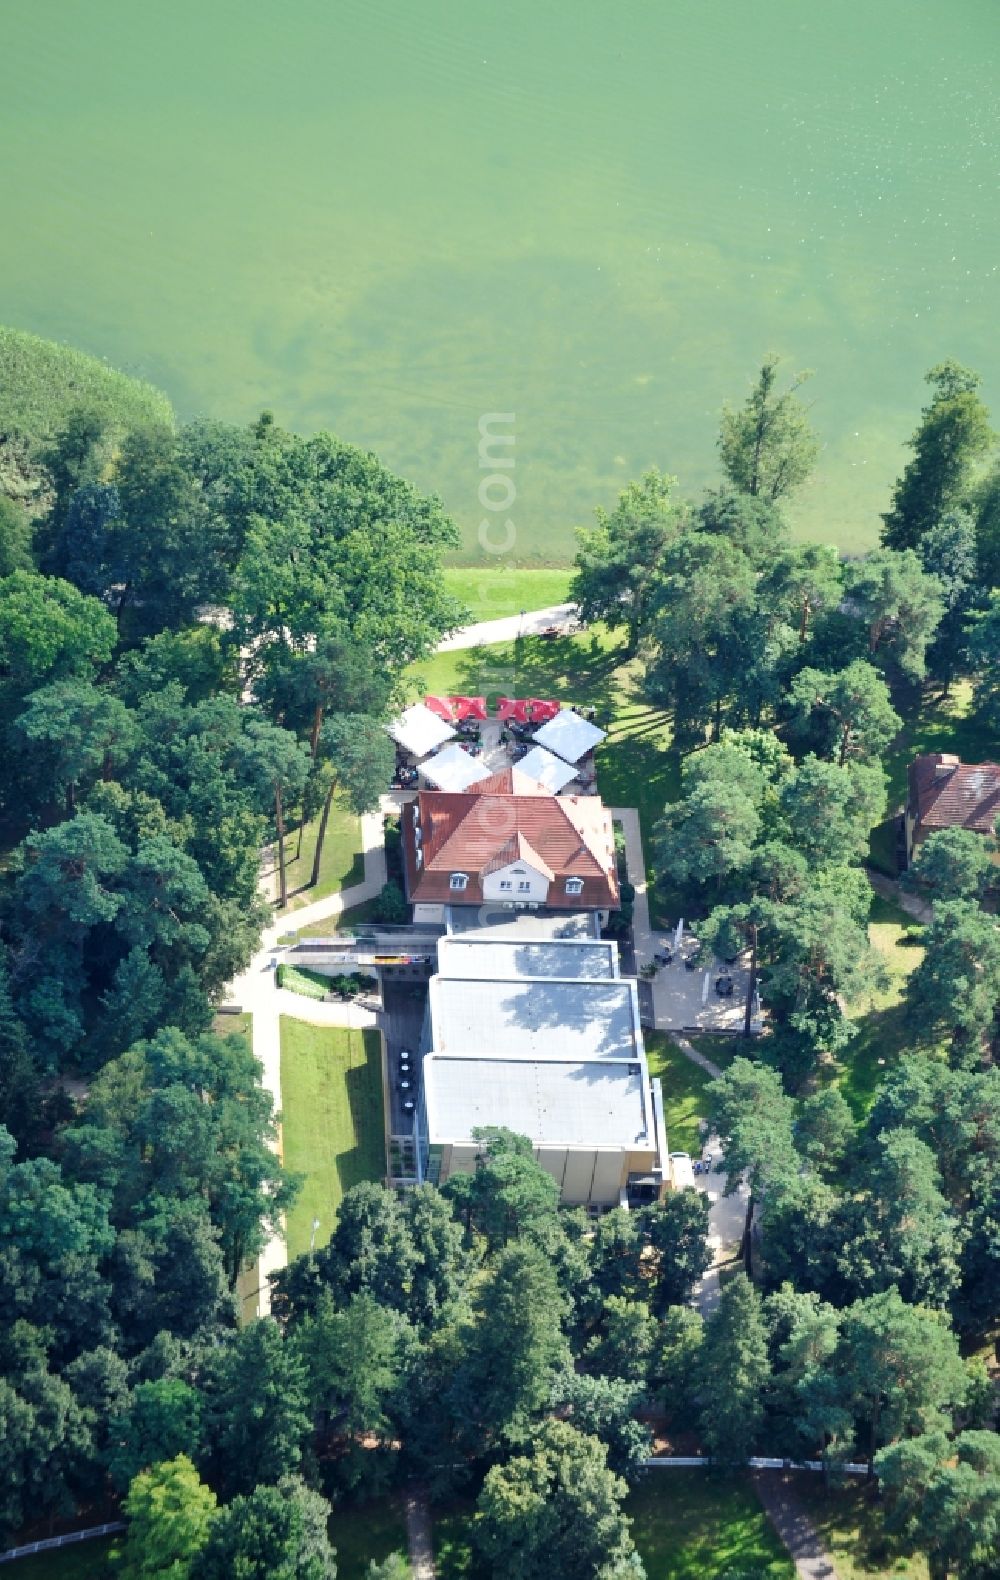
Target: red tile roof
[507, 818]
[947, 793]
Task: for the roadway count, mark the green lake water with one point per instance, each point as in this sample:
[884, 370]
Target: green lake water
[388, 218]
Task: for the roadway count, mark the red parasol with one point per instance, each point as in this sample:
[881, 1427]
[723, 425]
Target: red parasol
[541, 711]
[442, 707]
[506, 708]
[469, 707]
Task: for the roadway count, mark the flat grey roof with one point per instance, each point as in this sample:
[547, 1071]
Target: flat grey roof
[495, 922]
[551, 1019]
[473, 955]
[591, 1103]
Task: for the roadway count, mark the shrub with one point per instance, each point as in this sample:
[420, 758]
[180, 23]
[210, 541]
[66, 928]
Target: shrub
[391, 906]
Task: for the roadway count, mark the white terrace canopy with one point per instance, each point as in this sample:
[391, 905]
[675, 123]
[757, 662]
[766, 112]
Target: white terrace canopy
[419, 731]
[452, 769]
[568, 735]
[551, 772]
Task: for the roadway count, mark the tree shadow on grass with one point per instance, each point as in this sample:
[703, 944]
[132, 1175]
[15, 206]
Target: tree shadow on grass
[881, 1037]
[363, 1085]
[575, 670]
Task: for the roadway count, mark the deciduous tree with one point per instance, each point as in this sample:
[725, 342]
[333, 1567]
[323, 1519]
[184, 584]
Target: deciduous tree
[273, 1533]
[171, 1514]
[767, 446]
[617, 560]
[555, 1510]
[952, 864]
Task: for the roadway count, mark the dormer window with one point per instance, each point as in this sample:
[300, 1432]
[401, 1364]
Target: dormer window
[574, 885]
[418, 853]
[458, 882]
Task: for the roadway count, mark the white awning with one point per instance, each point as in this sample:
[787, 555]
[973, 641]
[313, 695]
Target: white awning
[420, 731]
[452, 769]
[569, 736]
[548, 770]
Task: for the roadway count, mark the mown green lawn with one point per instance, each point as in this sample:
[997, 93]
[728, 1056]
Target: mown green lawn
[882, 1034]
[852, 1528]
[490, 592]
[684, 1084]
[687, 1525]
[333, 1126]
[691, 1524]
[87, 1561]
[369, 1531]
[342, 865]
[635, 766]
[343, 922]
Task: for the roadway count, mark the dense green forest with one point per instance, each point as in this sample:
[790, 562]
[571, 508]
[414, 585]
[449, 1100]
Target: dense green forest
[194, 619]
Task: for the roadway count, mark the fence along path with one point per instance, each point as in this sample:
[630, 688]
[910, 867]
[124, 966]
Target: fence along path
[50, 1543]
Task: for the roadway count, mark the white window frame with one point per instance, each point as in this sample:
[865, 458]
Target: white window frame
[524, 886]
[458, 882]
[506, 885]
[574, 885]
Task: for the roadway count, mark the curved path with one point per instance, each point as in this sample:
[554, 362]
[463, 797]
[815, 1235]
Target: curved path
[531, 623]
[256, 991]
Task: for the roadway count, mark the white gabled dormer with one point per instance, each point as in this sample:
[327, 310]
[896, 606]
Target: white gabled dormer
[522, 880]
[519, 881]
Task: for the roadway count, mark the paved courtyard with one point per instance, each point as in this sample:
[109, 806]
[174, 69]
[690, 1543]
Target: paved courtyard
[686, 1000]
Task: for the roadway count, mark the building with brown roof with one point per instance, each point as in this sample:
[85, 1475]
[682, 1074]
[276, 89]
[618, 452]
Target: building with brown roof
[947, 793]
[509, 842]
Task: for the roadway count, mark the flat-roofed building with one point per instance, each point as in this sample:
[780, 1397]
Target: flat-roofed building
[540, 1035]
[536, 1018]
[479, 955]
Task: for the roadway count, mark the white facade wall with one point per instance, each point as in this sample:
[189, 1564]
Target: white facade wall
[526, 884]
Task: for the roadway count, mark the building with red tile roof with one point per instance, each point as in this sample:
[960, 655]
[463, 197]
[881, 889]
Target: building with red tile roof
[508, 841]
[947, 793]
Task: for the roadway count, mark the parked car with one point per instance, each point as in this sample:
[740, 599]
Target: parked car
[682, 1171]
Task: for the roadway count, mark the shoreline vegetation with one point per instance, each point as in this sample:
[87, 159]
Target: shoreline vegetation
[761, 698]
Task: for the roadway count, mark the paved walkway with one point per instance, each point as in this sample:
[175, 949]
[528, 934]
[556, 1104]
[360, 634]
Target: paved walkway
[418, 1535]
[726, 1214]
[531, 623]
[642, 932]
[793, 1525]
[256, 992]
[912, 904]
